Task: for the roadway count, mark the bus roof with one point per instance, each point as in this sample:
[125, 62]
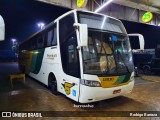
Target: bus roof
[76, 10]
[67, 13]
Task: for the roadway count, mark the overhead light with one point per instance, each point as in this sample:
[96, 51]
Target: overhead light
[13, 40]
[41, 24]
[105, 4]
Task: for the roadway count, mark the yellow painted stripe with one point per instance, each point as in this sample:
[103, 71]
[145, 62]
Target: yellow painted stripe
[50, 58]
[108, 82]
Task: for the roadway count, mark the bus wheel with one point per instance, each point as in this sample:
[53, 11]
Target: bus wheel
[53, 84]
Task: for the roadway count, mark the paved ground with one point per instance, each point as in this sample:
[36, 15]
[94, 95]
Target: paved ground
[35, 97]
[139, 80]
[151, 78]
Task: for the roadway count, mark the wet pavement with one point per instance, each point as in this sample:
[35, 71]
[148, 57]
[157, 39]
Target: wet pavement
[32, 96]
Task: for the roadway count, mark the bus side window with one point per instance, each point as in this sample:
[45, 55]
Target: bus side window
[33, 43]
[23, 46]
[54, 40]
[40, 42]
[26, 45]
[49, 37]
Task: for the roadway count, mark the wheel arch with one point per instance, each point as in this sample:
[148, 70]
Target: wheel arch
[51, 74]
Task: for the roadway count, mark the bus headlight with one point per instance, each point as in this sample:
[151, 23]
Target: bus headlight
[90, 83]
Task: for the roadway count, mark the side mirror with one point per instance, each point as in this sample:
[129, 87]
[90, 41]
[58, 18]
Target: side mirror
[141, 41]
[2, 28]
[83, 34]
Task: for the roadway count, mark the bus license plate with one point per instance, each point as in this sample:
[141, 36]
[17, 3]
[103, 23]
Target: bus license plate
[116, 91]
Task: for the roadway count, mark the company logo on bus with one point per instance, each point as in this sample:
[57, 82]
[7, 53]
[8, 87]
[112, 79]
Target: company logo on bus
[51, 56]
[67, 86]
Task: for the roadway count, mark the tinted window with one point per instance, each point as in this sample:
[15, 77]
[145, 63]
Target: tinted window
[33, 42]
[24, 46]
[68, 46]
[54, 40]
[43, 39]
[66, 27]
[40, 41]
[52, 36]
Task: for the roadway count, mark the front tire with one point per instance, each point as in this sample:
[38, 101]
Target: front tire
[53, 85]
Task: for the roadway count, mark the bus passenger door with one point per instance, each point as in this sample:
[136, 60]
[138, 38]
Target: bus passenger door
[69, 57]
[71, 67]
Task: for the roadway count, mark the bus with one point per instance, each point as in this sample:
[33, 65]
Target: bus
[84, 55]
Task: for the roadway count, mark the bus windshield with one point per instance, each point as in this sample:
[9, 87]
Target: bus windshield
[108, 51]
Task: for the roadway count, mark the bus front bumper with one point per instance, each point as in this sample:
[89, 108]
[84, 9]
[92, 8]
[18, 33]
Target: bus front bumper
[92, 94]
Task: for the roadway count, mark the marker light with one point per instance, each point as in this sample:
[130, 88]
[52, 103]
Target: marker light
[100, 8]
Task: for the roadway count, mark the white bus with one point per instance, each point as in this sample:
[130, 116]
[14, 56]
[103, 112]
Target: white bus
[83, 55]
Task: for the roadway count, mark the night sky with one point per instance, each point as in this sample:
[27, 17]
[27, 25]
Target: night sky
[21, 18]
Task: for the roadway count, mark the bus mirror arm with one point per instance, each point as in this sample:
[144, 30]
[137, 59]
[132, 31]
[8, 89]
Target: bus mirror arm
[83, 34]
[141, 41]
[2, 28]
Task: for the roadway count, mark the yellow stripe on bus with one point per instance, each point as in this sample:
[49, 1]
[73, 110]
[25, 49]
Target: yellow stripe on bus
[108, 82]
